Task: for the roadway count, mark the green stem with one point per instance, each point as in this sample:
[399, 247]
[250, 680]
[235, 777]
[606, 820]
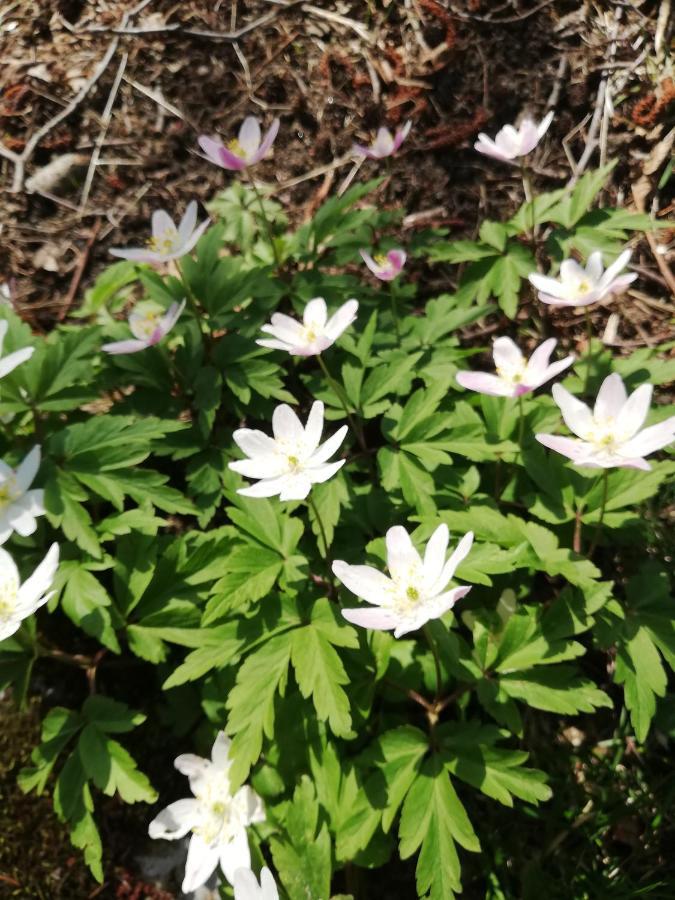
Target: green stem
[394, 310]
[603, 503]
[344, 402]
[437, 662]
[194, 308]
[268, 226]
[521, 423]
[589, 338]
[322, 530]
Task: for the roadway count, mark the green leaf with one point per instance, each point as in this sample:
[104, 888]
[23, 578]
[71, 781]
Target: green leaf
[111, 768]
[87, 604]
[321, 675]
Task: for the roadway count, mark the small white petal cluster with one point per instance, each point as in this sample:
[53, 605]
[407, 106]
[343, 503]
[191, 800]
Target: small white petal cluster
[217, 818]
[314, 334]
[293, 460]
[18, 601]
[415, 590]
[12, 360]
[611, 434]
[579, 286]
[512, 143]
[515, 374]
[246, 885]
[167, 241]
[18, 504]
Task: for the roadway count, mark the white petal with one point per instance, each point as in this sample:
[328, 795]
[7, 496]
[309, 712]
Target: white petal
[372, 617]
[21, 517]
[28, 469]
[569, 447]
[314, 427]
[402, 556]
[576, 414]
[443, 602]
[611, 398]
[617, 266]
[246, 885]
[192, 766]
[12, 360]
[220, 752]
[544, 124]
[651, 439]
[319, 474]
[255, 809]
[175, 821]
[571, 273]
[485, 383]
[249, 136]
[539, 360]
[315, 313]
[254, 443]
[434, 554]
[235, 854]
[366, 582]
[633, 413]
[458, 556]
[269, 888]
[594, 266]
[506, 354]
[188, 222]
[285, 328]
[260, 467]
[32, 591]
[161, 223]
[554, 369]
[328, 448]
[200, 864]
[342, 319]
[547, 285]
[269, 487]
[297, 487]
[286, 425]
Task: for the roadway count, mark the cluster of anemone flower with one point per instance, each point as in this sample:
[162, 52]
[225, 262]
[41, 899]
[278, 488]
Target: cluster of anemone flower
[290, 461]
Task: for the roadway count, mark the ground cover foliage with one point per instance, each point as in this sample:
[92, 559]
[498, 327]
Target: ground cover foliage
[364, 748]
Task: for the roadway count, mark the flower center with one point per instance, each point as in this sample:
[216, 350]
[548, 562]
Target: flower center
[164, 242]
[512, 375]
[235, 147]
[8, 492]
[381, 260]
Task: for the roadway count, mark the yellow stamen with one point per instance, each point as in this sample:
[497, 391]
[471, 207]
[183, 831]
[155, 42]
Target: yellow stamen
[235, 147]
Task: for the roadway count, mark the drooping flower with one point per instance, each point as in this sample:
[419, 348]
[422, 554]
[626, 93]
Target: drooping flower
[314, 334]
[385, 266]
[167, 241]
[18, 601]
[18, 505]
[149, 323]
[246, 885]
[12, 360]
[579, 286]
[385, 144]
[217, 818]
[515, 375]
[612, 434]
[293, 460]
[415, 590]
[243, 151]
[511, 143]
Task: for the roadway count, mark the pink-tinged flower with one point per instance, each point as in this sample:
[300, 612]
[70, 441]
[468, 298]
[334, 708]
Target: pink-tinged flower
[515, 375]
[243, 151]
[385, 144]
[149, 324]
[293, 460]
[167, 241]
[415, 590]
[12, 360]
[511, 142]
[385, 267]
[314, 334]
[611, 435]
[579, 286]
[217, 817]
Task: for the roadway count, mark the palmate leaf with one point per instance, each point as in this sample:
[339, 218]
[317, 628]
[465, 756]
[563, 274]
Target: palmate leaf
[302, 854]
[433, 820]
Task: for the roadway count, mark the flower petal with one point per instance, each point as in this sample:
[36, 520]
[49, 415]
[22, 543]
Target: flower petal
[506, 354]
[175, 821]
[612, 271]
[319, 474]
[458, 556]
[249, 137]
[235, 854]
[485, 383]
[577, 415]
[132, 345]
[268, 487]
[31, 594]
[200, 864]
[444, 602]
[254, 443]
[651, 439]
[610, 400]
[162, 224]
[286, 425]
[28, 469]
[267, 142]
[569, 447]
[315, 314]
[366, 582]
[401, 554]
[434, 554]
[373, 618]
[314, 427]
[632, 415]
[297, 486]
[538, 362]
[342, 319]
[12, 360]
[328, 448]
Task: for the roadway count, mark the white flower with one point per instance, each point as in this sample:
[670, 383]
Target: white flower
[18, 601]
[167, 241]
[385, 143]
[611, 434]
[579, 286]
[18, 505]
[246, 885]
[293, 460]
[12, 360]
[217, 818]
[414, 592]
[511, 142]
[515, 375]
[316, 333]
[149, 323]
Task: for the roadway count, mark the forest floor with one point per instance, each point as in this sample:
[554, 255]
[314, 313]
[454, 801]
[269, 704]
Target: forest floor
[101, 104]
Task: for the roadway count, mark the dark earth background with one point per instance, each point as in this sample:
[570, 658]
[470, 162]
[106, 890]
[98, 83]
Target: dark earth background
[333, 71]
